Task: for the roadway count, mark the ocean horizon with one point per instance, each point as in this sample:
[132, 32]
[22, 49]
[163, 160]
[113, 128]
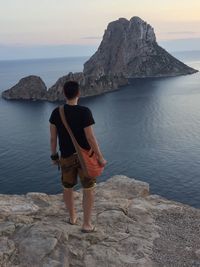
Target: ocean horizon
[49, 69]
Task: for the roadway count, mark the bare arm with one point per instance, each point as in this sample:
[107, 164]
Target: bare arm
[53, 138]
[94, 145]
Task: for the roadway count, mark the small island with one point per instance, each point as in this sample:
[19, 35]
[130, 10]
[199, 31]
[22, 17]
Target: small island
[128, 50]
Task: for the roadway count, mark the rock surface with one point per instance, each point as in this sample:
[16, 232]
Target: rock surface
[28, 88]
[134, 229]
[90, 85]
[129, 48]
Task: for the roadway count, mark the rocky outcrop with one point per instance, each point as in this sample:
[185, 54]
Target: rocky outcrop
[134, 229]
[28, 88]
[90, 85]
[33, 88]
[130, 48]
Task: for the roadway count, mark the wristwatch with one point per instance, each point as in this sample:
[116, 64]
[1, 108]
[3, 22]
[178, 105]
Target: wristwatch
[54, 156]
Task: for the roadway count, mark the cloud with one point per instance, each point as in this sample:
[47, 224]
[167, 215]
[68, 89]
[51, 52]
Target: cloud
[92, 37]
[182, 32]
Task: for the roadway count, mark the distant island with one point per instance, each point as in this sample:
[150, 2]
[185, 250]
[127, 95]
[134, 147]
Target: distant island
[128, 50]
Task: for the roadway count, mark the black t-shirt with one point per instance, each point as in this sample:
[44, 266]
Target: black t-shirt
[78, 117]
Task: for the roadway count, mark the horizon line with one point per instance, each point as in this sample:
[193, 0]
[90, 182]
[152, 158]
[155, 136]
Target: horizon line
[82, 56]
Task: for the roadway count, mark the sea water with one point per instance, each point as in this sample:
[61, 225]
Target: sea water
[149, 130]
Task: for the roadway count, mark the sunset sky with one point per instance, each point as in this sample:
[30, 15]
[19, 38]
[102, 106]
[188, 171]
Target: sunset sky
[79, 24]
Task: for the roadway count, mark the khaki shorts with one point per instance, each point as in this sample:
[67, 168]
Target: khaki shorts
[71, 169]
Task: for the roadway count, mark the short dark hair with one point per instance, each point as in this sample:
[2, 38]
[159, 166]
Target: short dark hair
[71, 89]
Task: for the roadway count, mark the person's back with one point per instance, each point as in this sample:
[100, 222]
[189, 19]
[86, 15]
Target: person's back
[80, 120]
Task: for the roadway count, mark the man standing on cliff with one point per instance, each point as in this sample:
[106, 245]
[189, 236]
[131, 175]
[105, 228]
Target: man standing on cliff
[80, 120]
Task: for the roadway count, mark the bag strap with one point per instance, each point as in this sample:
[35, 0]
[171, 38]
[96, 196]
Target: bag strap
[75, 143]
[64, 121]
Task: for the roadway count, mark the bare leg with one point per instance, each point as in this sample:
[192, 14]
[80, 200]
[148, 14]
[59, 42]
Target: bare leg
[68, 196]
[88, 203]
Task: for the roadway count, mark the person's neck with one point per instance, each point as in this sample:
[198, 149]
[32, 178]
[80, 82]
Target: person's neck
[72, 102]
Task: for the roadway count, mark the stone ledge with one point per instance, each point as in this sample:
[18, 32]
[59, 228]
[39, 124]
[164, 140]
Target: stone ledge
[134, 229]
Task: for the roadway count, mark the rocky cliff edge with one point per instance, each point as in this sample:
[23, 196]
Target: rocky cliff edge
[134, 229]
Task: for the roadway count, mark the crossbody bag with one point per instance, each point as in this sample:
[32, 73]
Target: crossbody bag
[88, 159]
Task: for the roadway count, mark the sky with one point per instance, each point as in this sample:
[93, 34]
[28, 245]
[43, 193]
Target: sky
[56, 28]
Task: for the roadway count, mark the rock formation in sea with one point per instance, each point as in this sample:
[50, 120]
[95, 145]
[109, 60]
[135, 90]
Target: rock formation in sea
[28, 88]
[134, 228]
[90, 85]
[128, 50]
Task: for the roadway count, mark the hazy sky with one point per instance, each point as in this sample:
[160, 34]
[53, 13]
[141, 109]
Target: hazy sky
[30, 24]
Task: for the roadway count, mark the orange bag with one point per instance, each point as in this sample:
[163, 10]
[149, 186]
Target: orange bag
[87, 158]
[89, 163]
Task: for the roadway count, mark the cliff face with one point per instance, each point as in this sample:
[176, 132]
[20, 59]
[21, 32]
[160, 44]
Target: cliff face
[134, 229]
[130, 48]
[28, 88]
[90, 85]
[33, 88]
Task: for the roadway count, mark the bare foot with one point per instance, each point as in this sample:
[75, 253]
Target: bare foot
[87, 227]
[72, 221]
